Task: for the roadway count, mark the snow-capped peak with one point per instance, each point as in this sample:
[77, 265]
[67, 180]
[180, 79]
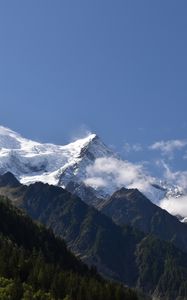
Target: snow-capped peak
[9, 139]
[9, 132]
[84, 141]
[31, 161]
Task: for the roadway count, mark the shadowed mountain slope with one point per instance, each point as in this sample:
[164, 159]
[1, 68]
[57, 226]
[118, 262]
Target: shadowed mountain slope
[124, 254]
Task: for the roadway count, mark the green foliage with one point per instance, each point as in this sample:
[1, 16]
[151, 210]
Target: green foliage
[143, 261]
[163, 266]
[10, 289]
[34, 265]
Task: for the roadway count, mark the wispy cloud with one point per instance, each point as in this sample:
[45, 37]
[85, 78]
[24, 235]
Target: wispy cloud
[175, 206]
[81, 132]
[132, 147]
[114, 173]
[168, 148]
[96, 182]
[178, 178]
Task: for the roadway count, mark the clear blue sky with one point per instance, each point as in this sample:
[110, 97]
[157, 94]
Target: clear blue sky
[118, 68]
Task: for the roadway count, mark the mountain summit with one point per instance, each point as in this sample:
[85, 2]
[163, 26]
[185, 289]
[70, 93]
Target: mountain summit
[31, 161]
[69, 165]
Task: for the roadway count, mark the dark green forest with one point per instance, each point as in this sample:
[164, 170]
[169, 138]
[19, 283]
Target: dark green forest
[121, 253]
[34, 264]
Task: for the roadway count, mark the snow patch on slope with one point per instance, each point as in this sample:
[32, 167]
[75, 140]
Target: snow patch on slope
[86, 160]
[31, 161]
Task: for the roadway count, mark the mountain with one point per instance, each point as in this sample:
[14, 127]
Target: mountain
[123, 253]
[32, 161]
[130, 206]
[34, 264]
[8, 179]
[84, 228]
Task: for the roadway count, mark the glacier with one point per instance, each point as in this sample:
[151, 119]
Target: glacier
[60, 165]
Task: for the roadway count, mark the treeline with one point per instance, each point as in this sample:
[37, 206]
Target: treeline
[35, 265]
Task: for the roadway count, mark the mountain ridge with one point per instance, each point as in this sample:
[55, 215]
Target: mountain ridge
[32, 161]
[131, 207]
[121, 253]
[34, 264]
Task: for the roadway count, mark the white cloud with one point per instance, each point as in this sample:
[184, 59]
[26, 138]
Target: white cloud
[95, 182]
[81, 132]
[114, 173]
[178, 178]
[110, 174]
[175, 206]
[167, 148]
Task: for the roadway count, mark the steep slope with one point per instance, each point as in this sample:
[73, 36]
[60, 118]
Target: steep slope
[124, 254]
[84, 228]
[31, 161]
[34, 264]
[129, 206]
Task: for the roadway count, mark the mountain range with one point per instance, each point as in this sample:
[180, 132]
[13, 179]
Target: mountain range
[104, 208]
[147, 262]
[36, 265]
[84, 163]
